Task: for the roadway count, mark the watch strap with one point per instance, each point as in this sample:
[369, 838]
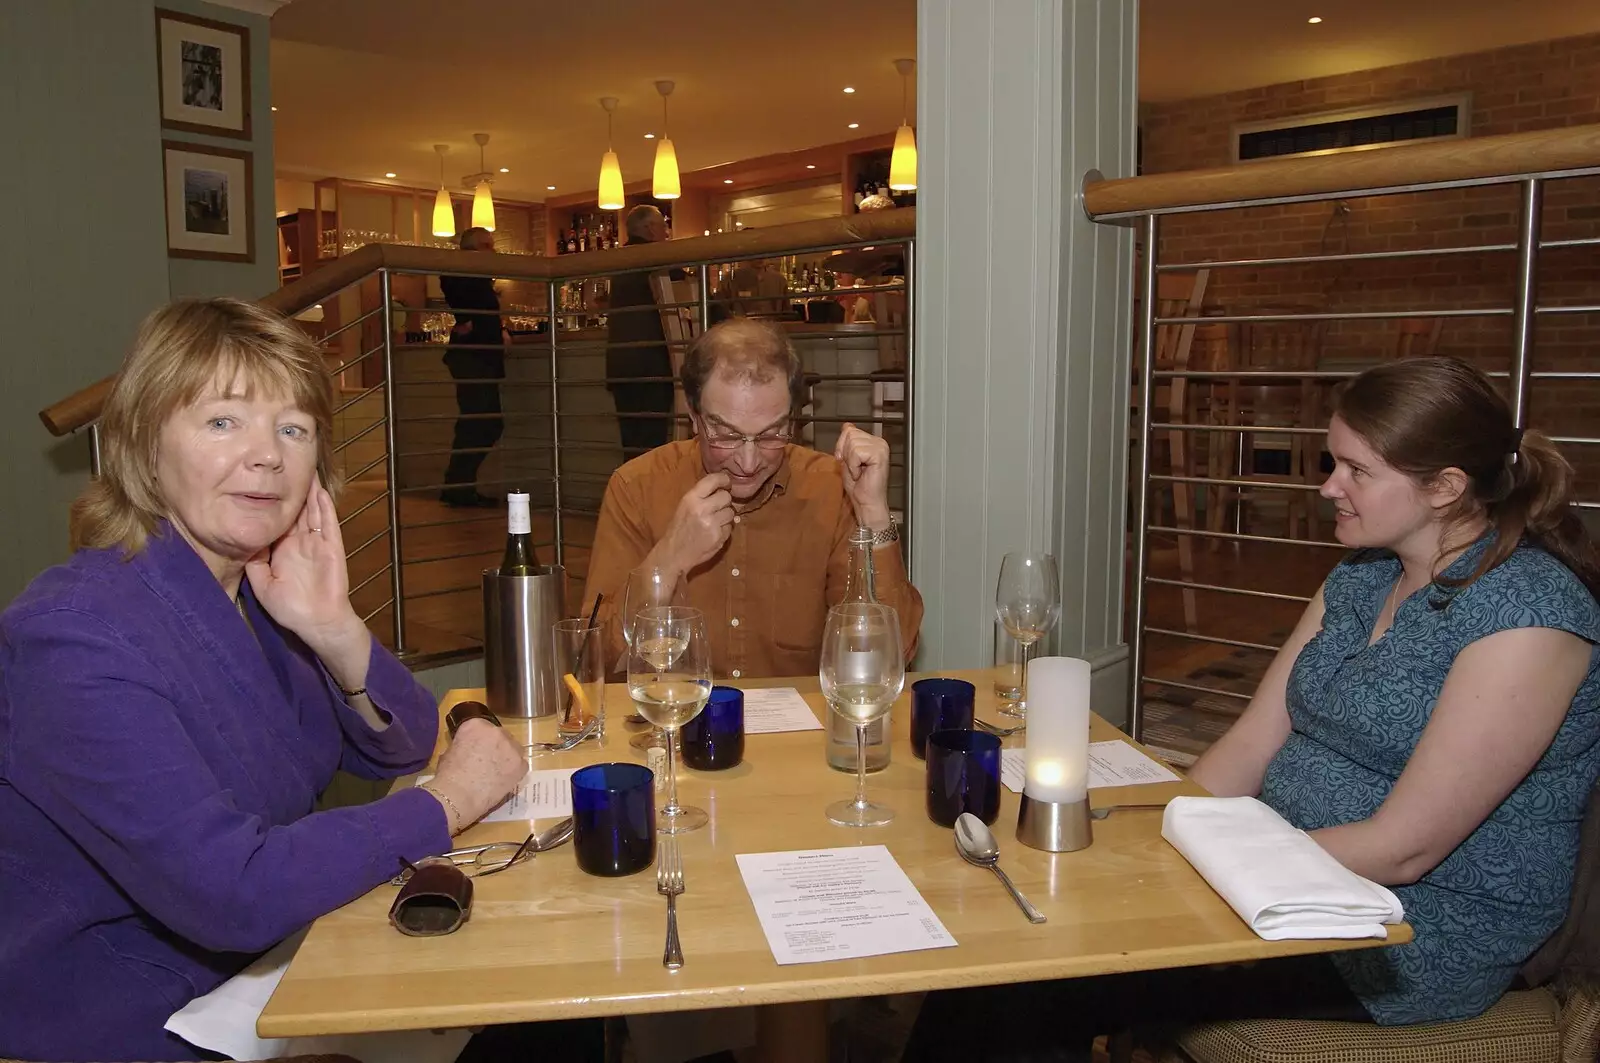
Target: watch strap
[468, 710]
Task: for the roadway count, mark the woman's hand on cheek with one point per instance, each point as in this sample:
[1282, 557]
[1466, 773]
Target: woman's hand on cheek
[302, 580]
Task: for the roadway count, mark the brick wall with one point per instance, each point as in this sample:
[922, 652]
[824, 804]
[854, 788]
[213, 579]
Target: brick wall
[1539, 86]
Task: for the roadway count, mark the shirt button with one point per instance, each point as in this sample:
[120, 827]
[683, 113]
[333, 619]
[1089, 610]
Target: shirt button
[735, 572]
[734, 621]
[736, 673]
[736, 520]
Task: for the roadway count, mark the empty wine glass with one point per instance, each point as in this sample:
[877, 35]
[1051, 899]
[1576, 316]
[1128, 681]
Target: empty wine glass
[863, 670]
[1028, 603]
[647, 586]
[669, 679]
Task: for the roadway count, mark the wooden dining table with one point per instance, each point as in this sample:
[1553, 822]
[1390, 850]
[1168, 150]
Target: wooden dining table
[547, 941]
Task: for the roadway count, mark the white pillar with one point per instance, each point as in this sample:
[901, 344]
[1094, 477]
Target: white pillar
[1023, 313]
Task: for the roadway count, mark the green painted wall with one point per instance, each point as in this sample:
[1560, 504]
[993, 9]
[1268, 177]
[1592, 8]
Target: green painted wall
[84, 259]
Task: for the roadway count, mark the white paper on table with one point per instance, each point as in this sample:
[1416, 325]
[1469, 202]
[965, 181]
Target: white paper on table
[224, 1020]
[1113, 763]
[543, 794]
[835, 904]
[774, 709]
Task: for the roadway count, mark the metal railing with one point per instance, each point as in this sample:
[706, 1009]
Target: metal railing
[414, 560]
[1531, 162]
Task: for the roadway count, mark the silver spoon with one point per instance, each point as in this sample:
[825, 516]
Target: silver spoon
[976, 844]
[1102, 813]
[998, 731]
[569, 742]
[544, 841]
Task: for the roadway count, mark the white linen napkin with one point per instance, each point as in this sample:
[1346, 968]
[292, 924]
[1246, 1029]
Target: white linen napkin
[1277, 878]
[224, 1020]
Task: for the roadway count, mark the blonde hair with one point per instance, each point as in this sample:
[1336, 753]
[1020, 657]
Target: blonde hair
[183, 351]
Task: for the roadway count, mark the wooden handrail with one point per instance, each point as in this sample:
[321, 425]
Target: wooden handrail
[1440, 162]
[82, 407]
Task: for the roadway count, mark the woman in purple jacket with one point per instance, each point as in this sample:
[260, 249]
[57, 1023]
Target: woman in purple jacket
[174, 698]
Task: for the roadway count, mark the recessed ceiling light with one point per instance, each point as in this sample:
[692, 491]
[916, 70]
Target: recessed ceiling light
[1314, 19]
[726, 181]
[649, 136]
[855, 125]
[549, 188]
[847, 88]
[389, 175]
[274, 108]
[811, 166]
[505, 169]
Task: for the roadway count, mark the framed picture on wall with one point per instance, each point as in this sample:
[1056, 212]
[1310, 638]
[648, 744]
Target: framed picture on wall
[205, 74]
[210, 202]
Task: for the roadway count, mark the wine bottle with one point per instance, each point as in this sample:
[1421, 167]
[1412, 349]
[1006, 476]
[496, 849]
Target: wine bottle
[858, 587]
[519, 559]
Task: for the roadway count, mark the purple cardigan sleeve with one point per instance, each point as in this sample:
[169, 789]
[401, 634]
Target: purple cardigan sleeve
[407, 743]
[112, 764]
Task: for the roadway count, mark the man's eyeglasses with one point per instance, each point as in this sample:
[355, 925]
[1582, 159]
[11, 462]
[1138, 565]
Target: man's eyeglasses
[722, 440]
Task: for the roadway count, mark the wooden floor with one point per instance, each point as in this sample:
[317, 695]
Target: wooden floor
[444, 551]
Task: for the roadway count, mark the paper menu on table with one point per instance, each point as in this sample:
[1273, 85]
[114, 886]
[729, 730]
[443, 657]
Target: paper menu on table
[835, 904]
[544, 794]
[1113, 763]
[774, 709]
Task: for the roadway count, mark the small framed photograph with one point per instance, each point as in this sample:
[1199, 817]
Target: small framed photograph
[205, 74]
[210, 202]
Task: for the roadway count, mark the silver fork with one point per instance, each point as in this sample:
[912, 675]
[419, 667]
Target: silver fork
[1002, 732]
[669, 883]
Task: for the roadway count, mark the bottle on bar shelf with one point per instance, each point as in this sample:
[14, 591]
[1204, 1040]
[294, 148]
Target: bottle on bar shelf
[519, 559]
[858, 587]
[572, 241]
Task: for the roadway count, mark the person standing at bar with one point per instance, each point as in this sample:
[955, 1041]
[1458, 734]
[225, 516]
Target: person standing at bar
[638, 364]
[476, 361]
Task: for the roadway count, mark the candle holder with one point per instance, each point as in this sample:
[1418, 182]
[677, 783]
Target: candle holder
[1054, 826]
[1054, 814]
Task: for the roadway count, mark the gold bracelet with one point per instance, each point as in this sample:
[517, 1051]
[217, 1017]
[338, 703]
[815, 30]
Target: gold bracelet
[451, 811]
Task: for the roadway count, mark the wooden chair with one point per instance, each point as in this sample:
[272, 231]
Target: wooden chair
[1290, 346]
[1175, 401]
[1417, 337]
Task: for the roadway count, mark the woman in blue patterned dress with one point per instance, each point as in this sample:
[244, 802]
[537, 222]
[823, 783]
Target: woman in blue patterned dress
[1433, 722]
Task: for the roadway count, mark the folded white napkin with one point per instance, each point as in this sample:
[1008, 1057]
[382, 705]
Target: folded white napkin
[1277, 878]
[224, 1020]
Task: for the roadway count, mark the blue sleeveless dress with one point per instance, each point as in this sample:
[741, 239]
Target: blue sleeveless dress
[1357, 713]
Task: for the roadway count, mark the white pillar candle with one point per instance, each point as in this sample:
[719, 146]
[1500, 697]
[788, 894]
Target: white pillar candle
[1058, 730]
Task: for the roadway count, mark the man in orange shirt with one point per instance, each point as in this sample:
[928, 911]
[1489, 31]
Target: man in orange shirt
[758, 526]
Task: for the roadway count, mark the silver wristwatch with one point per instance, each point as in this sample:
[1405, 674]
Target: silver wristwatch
[891, 534]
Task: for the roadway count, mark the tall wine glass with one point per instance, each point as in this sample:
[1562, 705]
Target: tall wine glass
[669, 679]
[646, 586]
[1028, 603]
[863, 670]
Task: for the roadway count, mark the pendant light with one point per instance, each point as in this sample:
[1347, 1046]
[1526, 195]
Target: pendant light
[664, 183]
[444, 212]
[903, 163]
[482, 201]
[610, 169]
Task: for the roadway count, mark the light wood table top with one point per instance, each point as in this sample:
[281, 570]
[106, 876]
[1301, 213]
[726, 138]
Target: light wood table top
[547, 941]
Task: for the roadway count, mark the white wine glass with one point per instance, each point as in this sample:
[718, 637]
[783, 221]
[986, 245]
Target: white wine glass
[863, 670]
[1027, 603]
[646, 587]
[669, 679]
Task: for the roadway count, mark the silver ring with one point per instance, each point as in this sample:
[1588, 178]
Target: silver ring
[317, 530]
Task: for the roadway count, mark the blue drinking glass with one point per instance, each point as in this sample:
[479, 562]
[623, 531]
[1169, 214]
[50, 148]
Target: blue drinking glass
[963, 776]
[939, 705]
[614, 818]
[714, 740]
